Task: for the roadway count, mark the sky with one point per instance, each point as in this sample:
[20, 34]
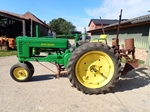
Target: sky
[78, 12]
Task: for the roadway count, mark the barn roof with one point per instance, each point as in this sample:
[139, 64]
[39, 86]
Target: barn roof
[127, 23]
[105, 21]
[26, 16]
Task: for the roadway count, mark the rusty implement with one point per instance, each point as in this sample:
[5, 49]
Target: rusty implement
[6, 43]
[131, 62]
[129, 66]
[125, 51]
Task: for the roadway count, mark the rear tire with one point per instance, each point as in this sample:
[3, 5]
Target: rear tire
[81, 42]
[94, 68]
[20, 72]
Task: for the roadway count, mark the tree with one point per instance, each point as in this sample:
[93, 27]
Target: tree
[61, 26]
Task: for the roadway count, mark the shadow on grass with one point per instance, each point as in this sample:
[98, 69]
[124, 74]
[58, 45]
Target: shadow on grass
[133, 80]
[46, 77]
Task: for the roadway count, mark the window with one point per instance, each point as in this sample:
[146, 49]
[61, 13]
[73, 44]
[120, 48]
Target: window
[93, 27]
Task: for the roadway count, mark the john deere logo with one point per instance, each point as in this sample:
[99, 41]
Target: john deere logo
[45, 44]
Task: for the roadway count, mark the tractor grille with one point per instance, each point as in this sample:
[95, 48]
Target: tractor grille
[20, 48]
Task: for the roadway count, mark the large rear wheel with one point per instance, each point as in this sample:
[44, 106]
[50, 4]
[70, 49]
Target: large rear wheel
[94, 68]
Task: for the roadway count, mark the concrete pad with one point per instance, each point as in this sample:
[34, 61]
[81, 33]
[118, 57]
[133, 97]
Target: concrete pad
[44, 93]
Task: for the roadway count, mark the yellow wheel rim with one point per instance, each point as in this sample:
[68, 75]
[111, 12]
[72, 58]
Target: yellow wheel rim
[20, 73]
[94, 69]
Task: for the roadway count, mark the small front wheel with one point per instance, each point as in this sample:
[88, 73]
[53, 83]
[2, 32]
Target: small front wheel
[31, 67]
[20, 72]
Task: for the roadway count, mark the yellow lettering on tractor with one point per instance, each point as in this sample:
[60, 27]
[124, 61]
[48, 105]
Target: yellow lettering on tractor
[45, 44]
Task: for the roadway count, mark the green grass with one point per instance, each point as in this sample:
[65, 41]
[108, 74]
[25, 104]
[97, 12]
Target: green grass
[7, 53]
[139, 61]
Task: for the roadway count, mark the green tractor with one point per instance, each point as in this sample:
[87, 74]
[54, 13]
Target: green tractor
[92, 67]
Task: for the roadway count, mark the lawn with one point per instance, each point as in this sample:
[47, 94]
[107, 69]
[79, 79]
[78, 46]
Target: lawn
[7, 53]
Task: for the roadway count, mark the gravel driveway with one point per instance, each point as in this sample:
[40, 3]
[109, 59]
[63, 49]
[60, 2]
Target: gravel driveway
[44, 93]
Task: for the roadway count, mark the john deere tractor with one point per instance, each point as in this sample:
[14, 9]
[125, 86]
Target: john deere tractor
[92, 67]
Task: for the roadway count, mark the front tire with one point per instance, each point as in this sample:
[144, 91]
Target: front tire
[31, 67]
[20, 72]
[94, 68]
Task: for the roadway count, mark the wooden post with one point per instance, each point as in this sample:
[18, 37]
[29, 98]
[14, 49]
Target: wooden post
[24, 27]
[31, 29]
